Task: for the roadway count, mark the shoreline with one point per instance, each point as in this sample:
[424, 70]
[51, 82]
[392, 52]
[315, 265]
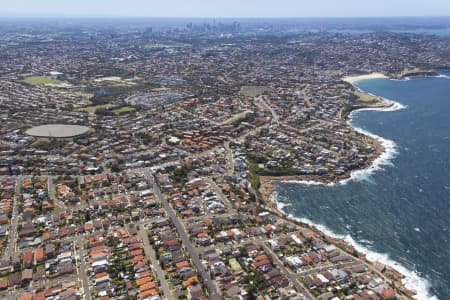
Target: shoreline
[405, 280]
[404, 75]
[385, 150]
[354, 78]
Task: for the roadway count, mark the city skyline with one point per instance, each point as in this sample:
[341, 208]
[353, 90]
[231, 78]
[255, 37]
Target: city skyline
[222, 9]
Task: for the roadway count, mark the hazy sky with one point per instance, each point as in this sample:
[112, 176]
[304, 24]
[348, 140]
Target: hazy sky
[225, 8]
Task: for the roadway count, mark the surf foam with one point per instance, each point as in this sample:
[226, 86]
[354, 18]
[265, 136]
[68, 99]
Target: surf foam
[412, 279]
[280, 205]
[390, 148]
[385, 158]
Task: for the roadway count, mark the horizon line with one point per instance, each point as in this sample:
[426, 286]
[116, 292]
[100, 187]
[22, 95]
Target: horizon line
[52, 16]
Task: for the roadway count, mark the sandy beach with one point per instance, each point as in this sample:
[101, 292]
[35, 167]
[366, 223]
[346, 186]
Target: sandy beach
[353, 79]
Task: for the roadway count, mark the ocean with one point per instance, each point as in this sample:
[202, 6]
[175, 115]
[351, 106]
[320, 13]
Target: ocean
[398, 212]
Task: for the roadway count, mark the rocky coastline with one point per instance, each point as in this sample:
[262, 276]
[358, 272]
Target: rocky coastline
[267, 190]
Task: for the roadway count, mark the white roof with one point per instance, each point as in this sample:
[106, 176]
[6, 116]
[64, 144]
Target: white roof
[322, 278]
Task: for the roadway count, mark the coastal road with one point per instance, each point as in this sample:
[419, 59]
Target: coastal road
[201, 218]
[292, 277]
[241, 242]
[327, 268]
[212, 289]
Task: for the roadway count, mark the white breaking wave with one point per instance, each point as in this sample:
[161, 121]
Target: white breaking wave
[412, 279]
[403, 79]
[385, 159]
[280, 205]
[367, 242]
[409, 78]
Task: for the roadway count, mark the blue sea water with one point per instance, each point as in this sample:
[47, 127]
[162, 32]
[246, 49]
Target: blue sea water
[403, 209]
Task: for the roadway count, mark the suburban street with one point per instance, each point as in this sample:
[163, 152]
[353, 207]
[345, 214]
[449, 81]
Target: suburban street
[10, 249]
[83, 270]
[212, 289]
[150, 252]
[326, 268]
[52, 195]
[140, 159]
[292, 277]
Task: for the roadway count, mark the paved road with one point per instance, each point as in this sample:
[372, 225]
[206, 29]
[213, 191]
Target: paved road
[209, 215]
[83, 271]
[40, 285]
[212, 289]
[52, 195]
[199, 116]
[326, 268]
[219, 193]
[14, 220]
[292, 277]
[275, 117]
[230, 159]
[150, 252]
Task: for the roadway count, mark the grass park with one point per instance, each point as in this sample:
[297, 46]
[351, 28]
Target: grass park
[113, 108]
[40, 80]
[254, 91]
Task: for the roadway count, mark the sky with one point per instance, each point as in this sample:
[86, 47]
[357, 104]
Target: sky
[224, 8]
